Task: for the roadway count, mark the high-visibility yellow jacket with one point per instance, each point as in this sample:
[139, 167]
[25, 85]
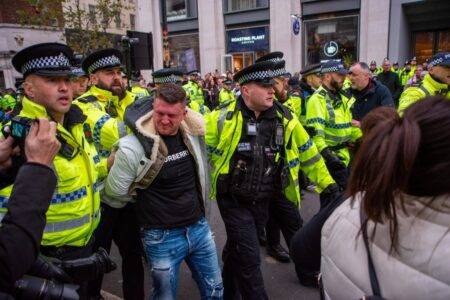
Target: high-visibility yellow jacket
[224, 130]
[194, 91]
[428, 87]
[105, 114]
[139, 91]
[331, 118]
[74, 210]
[226, 96]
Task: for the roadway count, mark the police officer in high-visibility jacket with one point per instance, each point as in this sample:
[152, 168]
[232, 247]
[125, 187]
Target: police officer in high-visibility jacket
[74, 211]
[436, 82]
[104, 104]
[256, 149]
[174, 75]
[328, 112]
[226, 93]
[193, 89]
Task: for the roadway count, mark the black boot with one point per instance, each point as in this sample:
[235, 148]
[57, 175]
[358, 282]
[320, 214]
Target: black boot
[278, 253]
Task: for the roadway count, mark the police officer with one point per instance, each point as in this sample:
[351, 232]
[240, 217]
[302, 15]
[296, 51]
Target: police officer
[256, 149]
[293, 103]
[193, 89]
[104, 104]
[174, 75]
[436, 82]
[79, 81]
[329, 113]
[226, 93]
[74, 210]
[311, 79]
[136, 87]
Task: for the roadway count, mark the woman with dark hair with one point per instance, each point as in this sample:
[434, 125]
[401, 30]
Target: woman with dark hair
[400, 191]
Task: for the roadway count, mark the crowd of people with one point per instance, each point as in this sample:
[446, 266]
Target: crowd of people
[117, 159]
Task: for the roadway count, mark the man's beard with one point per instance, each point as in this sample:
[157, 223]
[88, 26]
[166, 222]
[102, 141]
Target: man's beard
[113, 88]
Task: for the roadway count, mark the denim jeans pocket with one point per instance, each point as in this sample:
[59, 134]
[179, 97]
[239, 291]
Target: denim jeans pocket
[154, 236]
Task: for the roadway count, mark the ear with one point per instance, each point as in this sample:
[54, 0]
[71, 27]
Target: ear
[93, 78]
[28, 88]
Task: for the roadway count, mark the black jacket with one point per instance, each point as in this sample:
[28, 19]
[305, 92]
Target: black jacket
[23, 225]
[392, 82]
[374, 95]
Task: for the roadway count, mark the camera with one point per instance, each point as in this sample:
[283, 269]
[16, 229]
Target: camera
[19, 128]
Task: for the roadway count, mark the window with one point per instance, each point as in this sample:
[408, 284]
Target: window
[118, 20]
[428, 43]
[237, 5]
[2, 80]
[92, 18]
[331, 38]
[176, 10]
[132, 22]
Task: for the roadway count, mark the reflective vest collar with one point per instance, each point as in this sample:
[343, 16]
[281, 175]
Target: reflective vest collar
[32, 109]
[102, 95]
[433, 86]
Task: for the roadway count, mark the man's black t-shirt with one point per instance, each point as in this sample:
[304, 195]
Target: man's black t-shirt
[173, 198]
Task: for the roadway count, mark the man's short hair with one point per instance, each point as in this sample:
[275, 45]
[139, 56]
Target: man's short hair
[363, 66]
[171, 93]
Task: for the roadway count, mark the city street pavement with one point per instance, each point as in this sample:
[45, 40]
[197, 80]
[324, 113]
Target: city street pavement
[279, 278]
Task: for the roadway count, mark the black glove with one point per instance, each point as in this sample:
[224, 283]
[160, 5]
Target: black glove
[332, 161]
[43, 267]
[329, 195]
[89, 268]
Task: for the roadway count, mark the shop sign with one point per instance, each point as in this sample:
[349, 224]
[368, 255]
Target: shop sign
[248, 39]
[330, 48]
[296, 26]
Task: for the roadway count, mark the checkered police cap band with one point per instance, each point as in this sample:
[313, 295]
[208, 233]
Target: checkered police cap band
[258, 75]
[275, 59]
[279, 72]
[48, 62]
[331, 69]
[439, 60]
[104, 62]
[168, 79]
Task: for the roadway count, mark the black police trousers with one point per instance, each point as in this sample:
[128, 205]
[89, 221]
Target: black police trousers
[305, 248]
[70, 253]
[241, 258]
[284, 215]
[120, 225]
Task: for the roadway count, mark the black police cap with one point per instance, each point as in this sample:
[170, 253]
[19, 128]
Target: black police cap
[193, 72]
[272, 56]
[102, 59]
[440, 59]
[261, 72]
[311, 69]
[46, 59]
[334, 66]
[279, 69]
[167, 75]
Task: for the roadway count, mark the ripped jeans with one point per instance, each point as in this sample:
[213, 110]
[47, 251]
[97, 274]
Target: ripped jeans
[167, 248]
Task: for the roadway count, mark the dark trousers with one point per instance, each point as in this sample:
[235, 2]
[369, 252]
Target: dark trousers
[305, 245]
[120, 225]
[241, 260]
[69, 253]
[284, 215]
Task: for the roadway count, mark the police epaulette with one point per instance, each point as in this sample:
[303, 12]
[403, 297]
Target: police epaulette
[223, 105]
[283, 109]
[347, 93]
[322, 92]
[88, 99]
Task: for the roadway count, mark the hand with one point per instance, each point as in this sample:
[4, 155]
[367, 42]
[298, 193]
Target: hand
[41, 144]
[6, 151]
[356, 123]
[111, 158]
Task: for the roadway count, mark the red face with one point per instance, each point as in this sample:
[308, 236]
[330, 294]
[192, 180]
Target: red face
[167, 117]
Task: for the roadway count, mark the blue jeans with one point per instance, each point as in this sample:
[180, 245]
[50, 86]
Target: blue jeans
[167, 248]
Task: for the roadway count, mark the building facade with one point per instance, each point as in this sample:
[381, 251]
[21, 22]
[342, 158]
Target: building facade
[223, 35]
